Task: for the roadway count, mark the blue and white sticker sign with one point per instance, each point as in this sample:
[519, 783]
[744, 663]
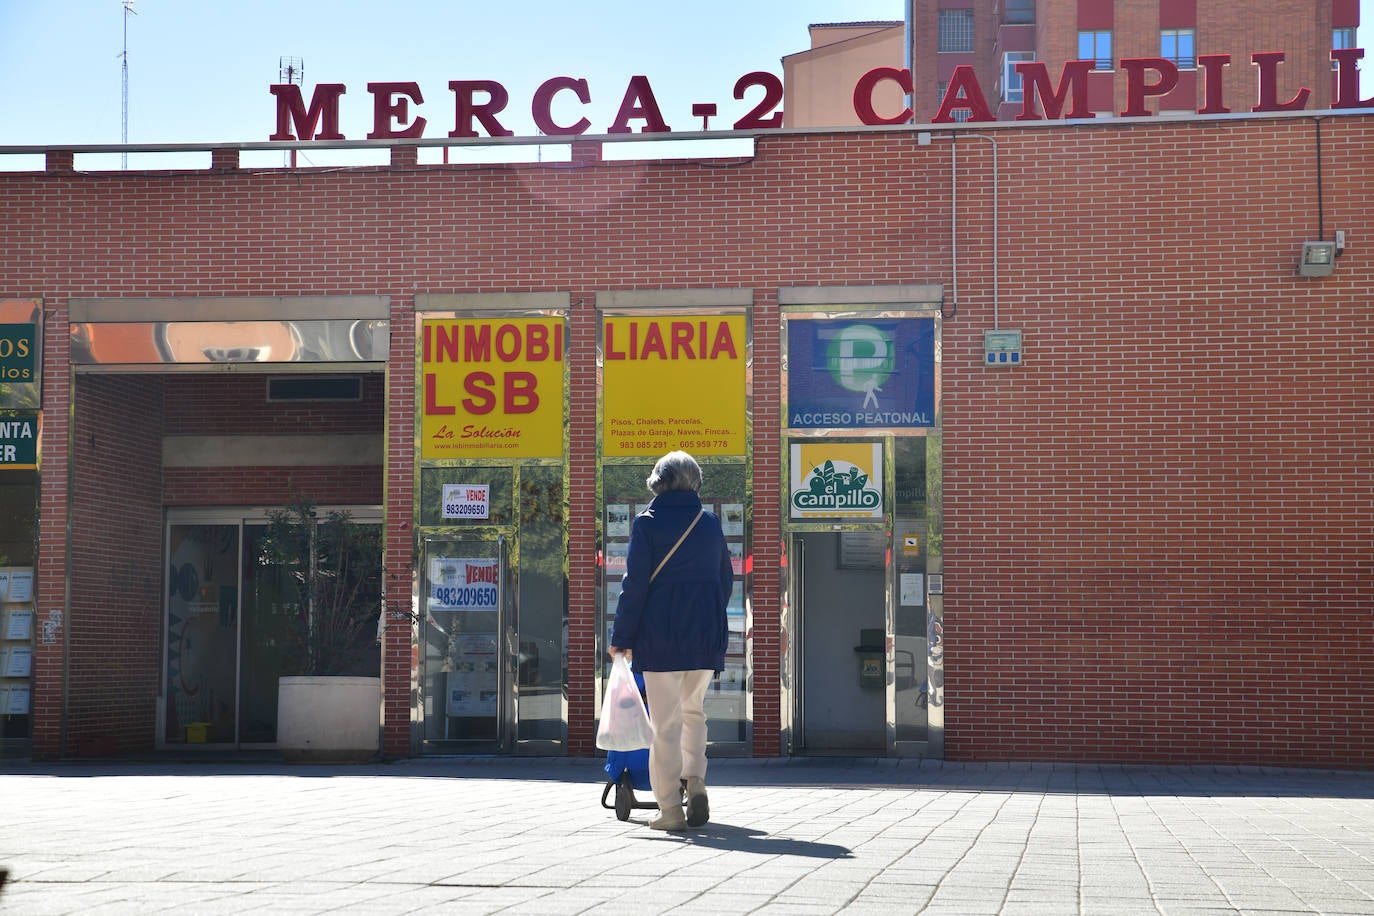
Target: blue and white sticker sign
[860, 373]
[463, 584]
[463, 500]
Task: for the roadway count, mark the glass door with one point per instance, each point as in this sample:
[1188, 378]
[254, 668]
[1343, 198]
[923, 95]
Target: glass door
[201, 690]
[468, 645]
[229, 631]
[841, 641]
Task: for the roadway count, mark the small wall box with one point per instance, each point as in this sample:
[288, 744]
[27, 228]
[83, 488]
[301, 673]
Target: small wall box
[1003, 348]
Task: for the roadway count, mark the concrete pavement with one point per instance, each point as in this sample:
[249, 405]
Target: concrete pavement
[796, 836]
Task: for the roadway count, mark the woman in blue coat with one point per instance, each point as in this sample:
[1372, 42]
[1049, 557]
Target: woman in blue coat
[671, 620]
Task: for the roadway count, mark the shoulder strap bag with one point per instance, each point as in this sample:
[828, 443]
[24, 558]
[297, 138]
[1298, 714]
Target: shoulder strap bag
[670, 553]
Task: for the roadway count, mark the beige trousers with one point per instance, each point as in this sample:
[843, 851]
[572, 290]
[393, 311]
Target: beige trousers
[679, 748]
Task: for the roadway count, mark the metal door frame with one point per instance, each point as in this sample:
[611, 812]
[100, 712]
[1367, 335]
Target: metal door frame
[507, 641]
[240, 517]
[794, 729]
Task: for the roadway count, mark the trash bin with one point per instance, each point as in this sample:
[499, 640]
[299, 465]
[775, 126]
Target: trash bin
[871, 653]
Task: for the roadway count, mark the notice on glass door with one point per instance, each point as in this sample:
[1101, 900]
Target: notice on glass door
[463, 584]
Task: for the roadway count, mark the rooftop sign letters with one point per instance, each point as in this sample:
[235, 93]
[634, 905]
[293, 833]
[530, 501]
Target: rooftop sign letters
[477, 105]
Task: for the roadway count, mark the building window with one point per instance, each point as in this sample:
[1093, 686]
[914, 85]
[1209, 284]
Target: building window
[1096, 47]
[958, 114]
[1342, 38]
[1177, 45]
[1019, 12]
[956, 30]
[1012, 90]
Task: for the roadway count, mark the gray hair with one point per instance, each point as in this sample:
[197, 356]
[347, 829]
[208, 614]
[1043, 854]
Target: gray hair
[675, 471]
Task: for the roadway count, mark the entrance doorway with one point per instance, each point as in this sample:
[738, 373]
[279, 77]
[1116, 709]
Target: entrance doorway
[864, 668]
[840, 603]
[227, 611]
[491, 591]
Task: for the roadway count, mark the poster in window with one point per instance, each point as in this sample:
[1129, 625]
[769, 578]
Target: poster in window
[616, 554]
[617, 520]
[18, 661]
[463, 584]
[21, 585]
[19, 624]
[732, 519]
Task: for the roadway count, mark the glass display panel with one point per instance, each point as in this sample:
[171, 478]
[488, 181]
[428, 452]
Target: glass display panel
[468, 488]
[723, 491]
[462, 596]
[18, 616]
[910, 545]
[202, 633]
[543, 607]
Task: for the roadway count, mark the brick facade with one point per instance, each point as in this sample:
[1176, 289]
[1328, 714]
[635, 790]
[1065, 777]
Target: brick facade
[1157, 530]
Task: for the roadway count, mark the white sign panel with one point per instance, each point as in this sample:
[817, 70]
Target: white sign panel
[463, 584]
[464, 500]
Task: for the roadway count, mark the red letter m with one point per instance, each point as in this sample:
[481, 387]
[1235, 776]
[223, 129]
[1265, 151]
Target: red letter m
[1036, 84]
[324, 104]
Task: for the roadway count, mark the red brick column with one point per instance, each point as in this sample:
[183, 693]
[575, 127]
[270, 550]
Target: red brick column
[584, 573]
[398, 641]
[50, 588]
[769, 578]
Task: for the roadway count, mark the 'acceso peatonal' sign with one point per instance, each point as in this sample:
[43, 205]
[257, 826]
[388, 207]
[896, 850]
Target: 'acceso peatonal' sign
[480, 103]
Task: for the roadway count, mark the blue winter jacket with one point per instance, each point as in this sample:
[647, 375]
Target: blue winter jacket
[677, 622]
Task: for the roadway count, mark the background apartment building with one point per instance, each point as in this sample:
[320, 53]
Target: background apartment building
[992, 36]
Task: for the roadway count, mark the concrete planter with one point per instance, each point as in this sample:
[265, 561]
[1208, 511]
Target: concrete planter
[329, 719]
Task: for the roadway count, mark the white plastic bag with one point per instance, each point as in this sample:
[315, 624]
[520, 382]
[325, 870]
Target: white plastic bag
[625, 722]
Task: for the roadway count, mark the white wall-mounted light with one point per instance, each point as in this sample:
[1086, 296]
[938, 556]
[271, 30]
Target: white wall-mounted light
[1318, 259]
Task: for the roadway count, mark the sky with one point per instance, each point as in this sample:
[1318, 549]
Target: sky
[200, 71]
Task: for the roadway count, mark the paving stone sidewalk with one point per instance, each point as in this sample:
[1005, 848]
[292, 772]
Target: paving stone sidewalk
[797, 836]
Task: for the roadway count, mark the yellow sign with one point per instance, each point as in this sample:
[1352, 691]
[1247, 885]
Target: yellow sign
[673, 382]
[492, 388]
[837, 480]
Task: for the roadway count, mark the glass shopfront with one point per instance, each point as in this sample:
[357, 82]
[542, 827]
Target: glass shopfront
[19, 623]
[863, 572]
[723, 492]
[494, 619]
[491, 510]
[674, 375]
[21, 347]
[230, 629]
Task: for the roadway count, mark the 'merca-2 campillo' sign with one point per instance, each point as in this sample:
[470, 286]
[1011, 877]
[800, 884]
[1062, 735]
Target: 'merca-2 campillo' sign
[482, 101]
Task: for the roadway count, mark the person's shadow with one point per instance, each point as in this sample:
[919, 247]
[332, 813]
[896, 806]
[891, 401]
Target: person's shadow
[743, 839]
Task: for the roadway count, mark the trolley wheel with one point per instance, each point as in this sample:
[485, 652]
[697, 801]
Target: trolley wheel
[624, 797]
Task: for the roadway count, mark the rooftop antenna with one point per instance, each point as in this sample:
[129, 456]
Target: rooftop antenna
[124, 91]
[290, 70]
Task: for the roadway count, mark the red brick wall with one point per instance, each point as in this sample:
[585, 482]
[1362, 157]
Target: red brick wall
[226, 405]
[115, 617]
[1157, 530]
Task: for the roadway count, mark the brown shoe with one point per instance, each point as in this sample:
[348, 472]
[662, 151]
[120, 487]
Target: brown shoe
[698, 807]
